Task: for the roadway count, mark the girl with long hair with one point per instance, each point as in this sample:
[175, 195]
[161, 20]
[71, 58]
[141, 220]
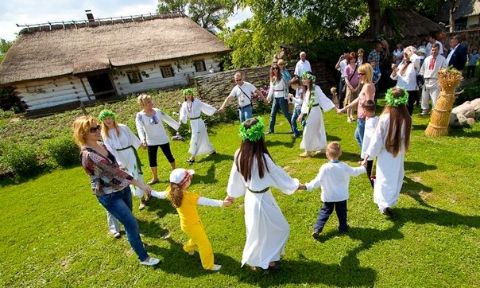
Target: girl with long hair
[192, 109]
[389, 144]
[278, 93]
[315, 101]
[253, 174]
[186, 203]
[110, 184]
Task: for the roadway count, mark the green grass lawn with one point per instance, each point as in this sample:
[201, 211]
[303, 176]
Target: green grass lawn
[53, 231]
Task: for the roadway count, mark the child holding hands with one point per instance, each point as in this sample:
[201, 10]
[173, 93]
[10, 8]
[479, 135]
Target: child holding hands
[371, 121]
[333, 178]
[186, 204]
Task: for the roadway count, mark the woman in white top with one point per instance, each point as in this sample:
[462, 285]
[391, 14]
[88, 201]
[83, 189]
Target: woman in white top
[389, 143]
[192, 109]
[278, 92]
[123, 144]
[252, 175]
[406, 76]
[152, 133]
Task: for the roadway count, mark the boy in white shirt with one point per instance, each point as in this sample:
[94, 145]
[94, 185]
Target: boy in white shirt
[333, 178]
[370, 124]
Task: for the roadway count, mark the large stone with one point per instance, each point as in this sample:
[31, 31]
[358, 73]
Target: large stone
[466, 109]
[457, 120]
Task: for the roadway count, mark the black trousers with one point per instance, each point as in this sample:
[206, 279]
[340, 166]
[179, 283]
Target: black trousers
[369, 171]
[152, 153]
[327, 210]
[412, 98]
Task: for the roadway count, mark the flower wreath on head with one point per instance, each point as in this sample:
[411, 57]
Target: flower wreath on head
[254, 133]
[309, 76]
[105, 113]
[187, 92]
[395, 102]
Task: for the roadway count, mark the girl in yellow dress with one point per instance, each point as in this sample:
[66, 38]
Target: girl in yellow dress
[186, 204]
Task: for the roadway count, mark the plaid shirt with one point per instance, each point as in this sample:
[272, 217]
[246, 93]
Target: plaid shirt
[105, 175]
[375, 56]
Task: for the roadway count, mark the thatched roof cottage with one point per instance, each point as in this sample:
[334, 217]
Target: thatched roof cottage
[61, 63]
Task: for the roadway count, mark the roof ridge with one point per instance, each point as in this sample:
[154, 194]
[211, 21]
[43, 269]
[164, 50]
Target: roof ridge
[76, 24]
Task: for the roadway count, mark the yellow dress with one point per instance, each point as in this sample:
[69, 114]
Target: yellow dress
[192, 226]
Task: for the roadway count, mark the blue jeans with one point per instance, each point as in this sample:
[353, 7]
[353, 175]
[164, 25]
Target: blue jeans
[296, 113]
[360, 131]
[327, 210]
[119, 204]
[245, 113]
[279, 104]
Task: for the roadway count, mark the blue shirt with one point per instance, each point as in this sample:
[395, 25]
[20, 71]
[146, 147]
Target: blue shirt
[473, 59]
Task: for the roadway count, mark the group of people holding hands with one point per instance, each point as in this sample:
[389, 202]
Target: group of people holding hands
[109, 157]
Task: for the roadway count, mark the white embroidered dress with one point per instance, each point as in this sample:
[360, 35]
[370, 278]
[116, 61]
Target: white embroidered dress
[314, 135]
[123, 146]
[199, 143]
[389, 169]
[266, 227]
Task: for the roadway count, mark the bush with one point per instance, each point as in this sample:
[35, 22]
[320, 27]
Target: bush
[64, 151]
[471, 91]
[9, 101]
[21, 160]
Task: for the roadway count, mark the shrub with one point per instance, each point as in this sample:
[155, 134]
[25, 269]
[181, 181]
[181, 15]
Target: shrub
[471, 91]
[64, 151]
[21, 159]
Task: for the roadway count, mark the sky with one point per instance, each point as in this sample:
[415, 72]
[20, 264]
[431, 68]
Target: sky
[14, 12]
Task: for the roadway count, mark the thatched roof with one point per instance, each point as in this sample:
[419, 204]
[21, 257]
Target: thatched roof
[405, 23]
[71, 49]
[464, 8]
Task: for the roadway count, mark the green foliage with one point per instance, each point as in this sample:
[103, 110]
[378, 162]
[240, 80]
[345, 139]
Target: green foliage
[21, 159]
[209, 14]
[63, 150]
[4, 46]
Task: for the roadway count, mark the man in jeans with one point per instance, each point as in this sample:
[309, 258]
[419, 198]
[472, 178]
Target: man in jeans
[244, 92]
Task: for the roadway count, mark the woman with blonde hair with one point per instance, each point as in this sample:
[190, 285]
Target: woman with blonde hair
[110, 184]
[389, 144]
[152, 133]
[365, 72]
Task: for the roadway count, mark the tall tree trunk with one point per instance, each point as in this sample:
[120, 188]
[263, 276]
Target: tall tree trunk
[451, 15]
[374, 13]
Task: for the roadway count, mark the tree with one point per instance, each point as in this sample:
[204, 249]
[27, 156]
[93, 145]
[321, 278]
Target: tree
[4, 46]
[209, 14]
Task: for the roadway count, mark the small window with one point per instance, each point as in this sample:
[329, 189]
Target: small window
[167, 71]
[199, 66]
[134, 77]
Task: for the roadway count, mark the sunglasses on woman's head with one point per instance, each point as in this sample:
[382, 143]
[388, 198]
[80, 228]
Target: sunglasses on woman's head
[95, 129]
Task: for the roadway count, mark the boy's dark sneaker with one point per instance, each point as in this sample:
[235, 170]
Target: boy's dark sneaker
[316, 235]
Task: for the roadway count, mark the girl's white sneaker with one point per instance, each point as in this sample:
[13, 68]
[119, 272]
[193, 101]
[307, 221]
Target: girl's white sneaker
[150, 261]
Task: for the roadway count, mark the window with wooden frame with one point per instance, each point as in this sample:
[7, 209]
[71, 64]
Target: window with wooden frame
[134, 77]
[199, 66]
[167, 71]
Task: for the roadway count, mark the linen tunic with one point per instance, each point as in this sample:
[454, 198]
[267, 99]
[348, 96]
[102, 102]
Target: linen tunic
[314, 135]
[151, 130]
[123, 146]
[390, 169]
[266, 227]
[370, 125]
[199, 142]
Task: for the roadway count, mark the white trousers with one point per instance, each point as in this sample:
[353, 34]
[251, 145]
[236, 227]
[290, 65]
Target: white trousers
[429, 92]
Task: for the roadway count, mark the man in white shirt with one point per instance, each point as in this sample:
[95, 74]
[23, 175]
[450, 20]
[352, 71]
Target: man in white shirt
[431, 41]
[341, 66]
[429, 71]
[302, 65]
[244, 92]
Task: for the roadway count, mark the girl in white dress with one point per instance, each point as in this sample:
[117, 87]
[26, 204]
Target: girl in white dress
[252, 175]
[123, 144]
[389, 143]
[315, 101]
[192, 109]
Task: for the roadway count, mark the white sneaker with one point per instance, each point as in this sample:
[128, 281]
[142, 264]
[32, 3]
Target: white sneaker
[150, 261]
[215, 267]
[117, 235]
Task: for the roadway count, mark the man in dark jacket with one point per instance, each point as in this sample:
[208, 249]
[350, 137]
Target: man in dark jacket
[457, 57]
